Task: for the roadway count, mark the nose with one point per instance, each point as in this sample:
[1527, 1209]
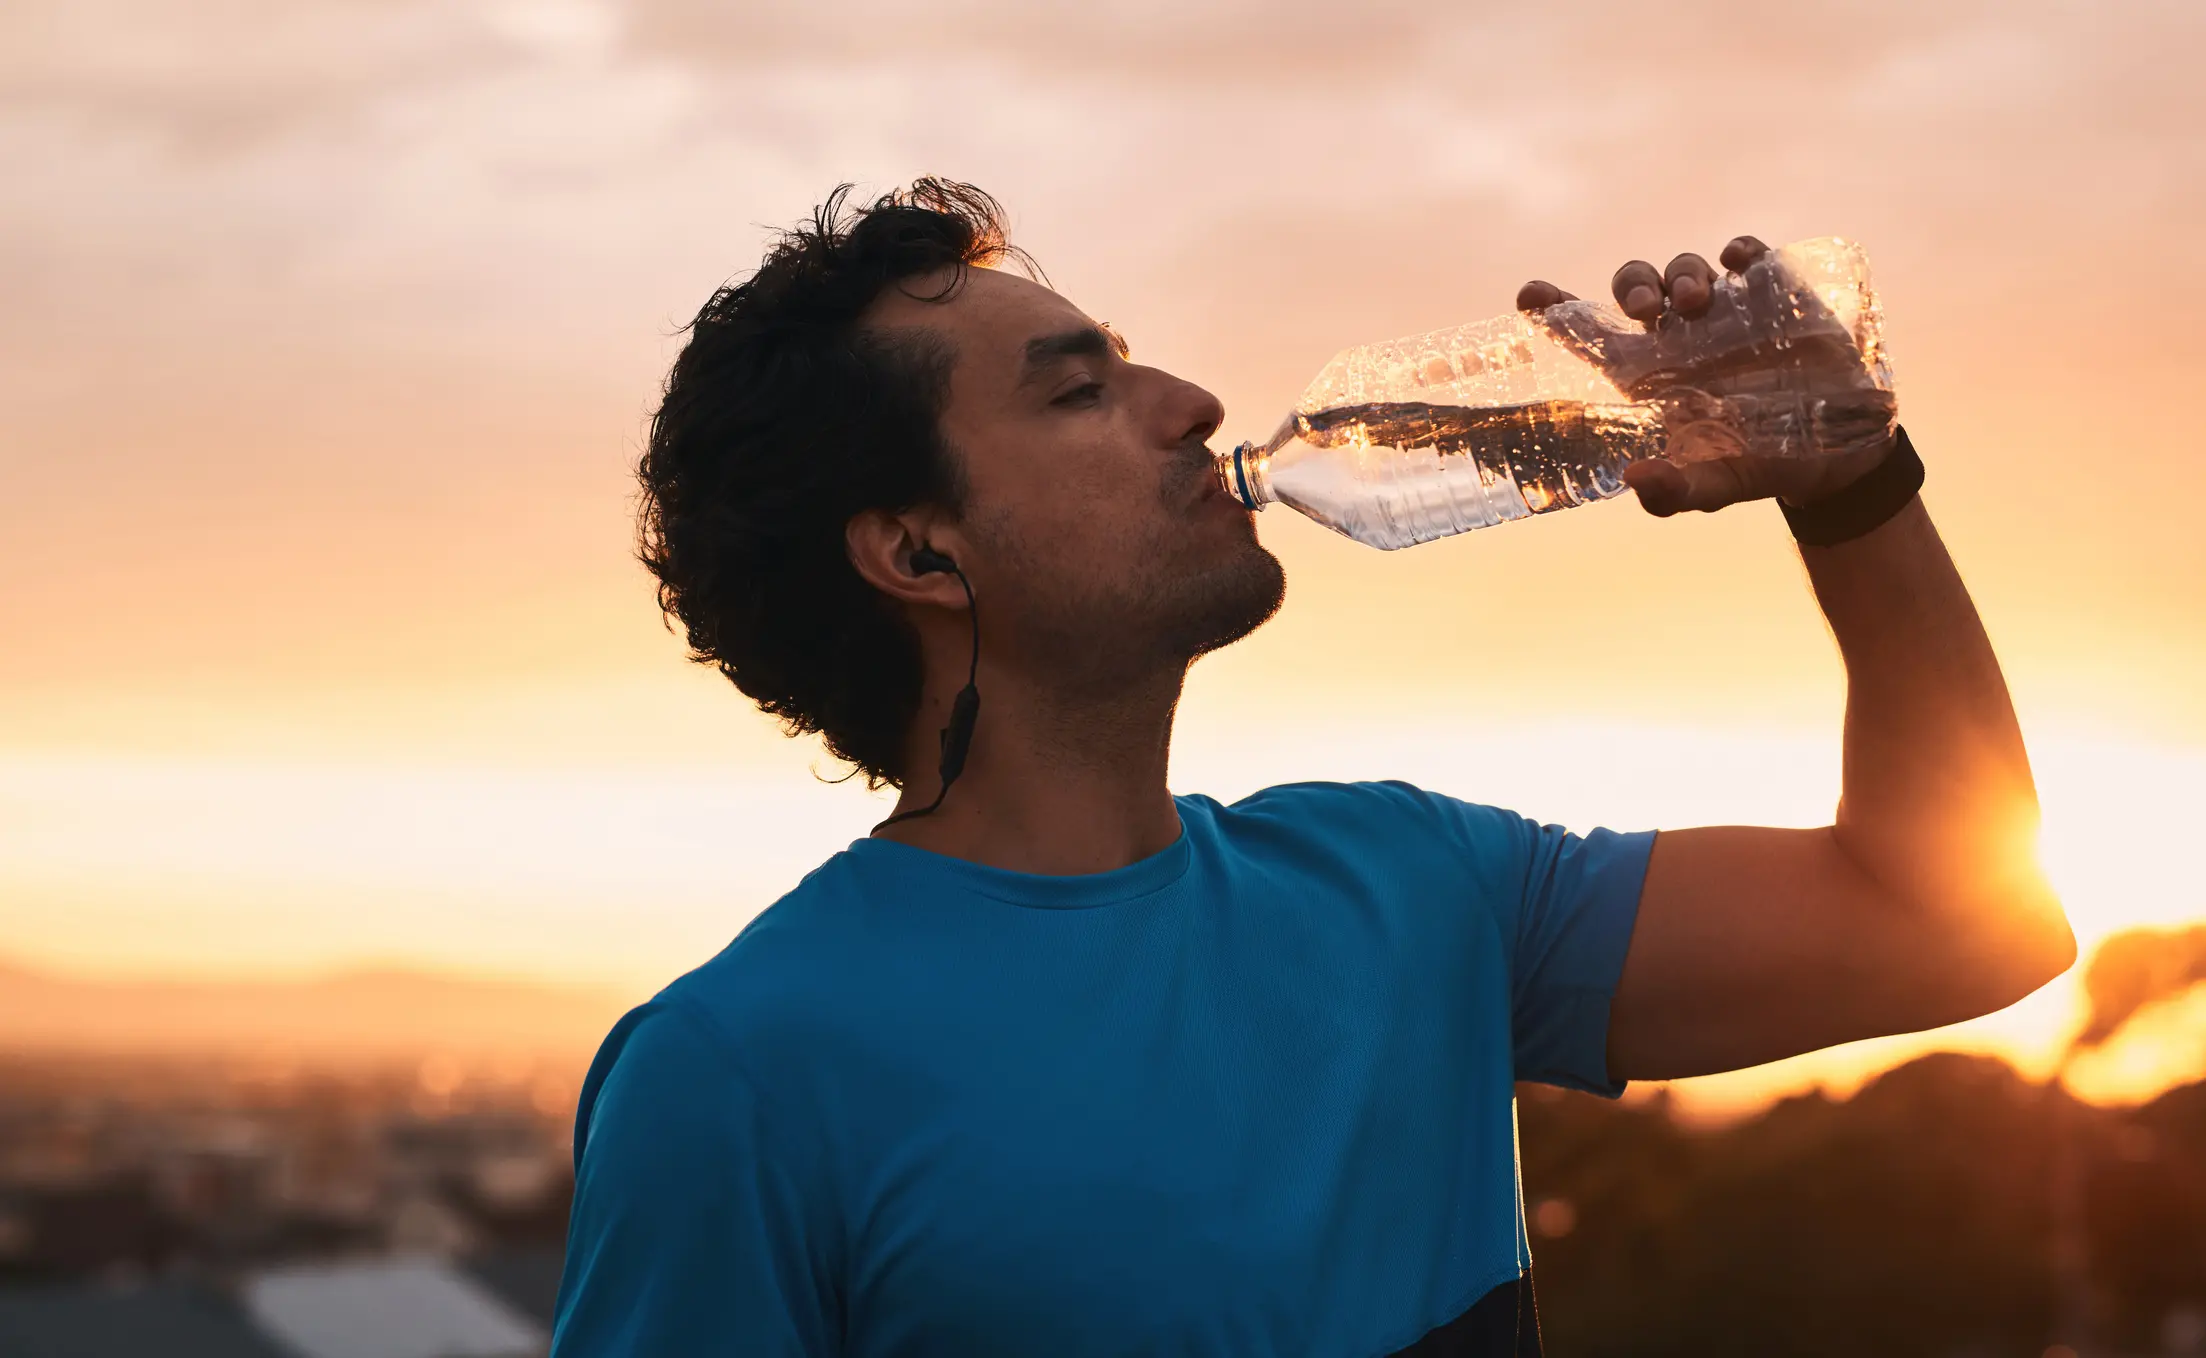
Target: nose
[1187, 413]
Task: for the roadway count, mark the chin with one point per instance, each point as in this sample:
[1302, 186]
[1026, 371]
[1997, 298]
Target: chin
[1226, 602]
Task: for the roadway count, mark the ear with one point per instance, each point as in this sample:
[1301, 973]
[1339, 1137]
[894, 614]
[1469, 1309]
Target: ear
[880, 545]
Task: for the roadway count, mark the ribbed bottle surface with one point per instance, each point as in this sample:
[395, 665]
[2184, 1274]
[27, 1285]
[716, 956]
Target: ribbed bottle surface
[1399, 443]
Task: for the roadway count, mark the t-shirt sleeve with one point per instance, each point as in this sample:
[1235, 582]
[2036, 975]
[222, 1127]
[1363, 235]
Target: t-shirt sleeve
[687, 1234]
[1565, 905]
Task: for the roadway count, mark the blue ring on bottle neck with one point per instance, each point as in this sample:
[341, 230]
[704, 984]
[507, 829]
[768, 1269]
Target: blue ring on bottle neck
[1241, 476]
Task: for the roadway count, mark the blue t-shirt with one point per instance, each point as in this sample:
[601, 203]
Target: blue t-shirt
[1250, 1096]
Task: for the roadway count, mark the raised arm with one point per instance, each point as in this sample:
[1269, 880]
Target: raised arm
[1922, 904]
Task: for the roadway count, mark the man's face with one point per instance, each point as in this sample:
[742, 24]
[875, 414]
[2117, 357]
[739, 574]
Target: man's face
[1095, 527]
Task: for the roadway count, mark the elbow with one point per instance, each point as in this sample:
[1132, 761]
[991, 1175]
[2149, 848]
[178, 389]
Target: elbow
[2001, 933]
[2061, 955]
[2018, 950]
[2035, 925]
[2061, 951]
[2048, 958]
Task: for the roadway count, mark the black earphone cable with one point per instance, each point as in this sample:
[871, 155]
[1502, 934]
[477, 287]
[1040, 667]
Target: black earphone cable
[957, 737]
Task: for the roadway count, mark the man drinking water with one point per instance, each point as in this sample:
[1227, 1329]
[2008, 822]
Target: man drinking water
[1057, 1063]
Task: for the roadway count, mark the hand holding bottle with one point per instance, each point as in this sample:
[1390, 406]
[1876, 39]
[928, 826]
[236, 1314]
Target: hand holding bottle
[1767, 380]
[1701, 339]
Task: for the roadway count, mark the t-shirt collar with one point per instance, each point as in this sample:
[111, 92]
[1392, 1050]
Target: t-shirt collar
[929, 870]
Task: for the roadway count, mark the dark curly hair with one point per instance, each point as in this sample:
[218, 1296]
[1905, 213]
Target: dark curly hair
[781, 421]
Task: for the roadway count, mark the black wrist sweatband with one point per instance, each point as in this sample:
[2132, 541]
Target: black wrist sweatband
[1865, 505]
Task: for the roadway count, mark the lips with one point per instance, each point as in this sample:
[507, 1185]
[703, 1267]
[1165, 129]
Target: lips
[1193, 479]
[1209, 490]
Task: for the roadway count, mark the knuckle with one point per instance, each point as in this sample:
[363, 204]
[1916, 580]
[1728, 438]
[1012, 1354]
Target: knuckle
[1743, 250]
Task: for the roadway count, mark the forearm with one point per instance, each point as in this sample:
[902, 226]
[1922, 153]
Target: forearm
[1938, 806]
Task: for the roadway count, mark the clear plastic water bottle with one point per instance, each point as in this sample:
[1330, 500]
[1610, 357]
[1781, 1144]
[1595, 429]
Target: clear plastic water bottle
[1400, 443]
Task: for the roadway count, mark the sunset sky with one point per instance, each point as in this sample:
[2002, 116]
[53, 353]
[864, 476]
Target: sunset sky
[328, 329]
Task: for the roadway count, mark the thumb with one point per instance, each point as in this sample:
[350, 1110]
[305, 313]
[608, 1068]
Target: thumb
[1668, 488]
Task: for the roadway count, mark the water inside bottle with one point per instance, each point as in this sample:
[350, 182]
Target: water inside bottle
[1554, 452]
[1396, 473]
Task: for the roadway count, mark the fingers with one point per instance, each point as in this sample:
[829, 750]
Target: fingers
[1687, 285]
[1665, 487]
[1742, 251]
[1539, 295]
[1660, 486]
[1691, 284]
[1638, 289]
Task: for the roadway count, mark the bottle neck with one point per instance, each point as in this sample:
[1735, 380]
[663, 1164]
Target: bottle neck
[1245, 473]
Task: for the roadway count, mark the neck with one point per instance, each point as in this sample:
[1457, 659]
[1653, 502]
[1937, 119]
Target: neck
[1053, 784]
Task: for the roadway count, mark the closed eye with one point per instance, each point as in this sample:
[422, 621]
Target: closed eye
[1084, 394]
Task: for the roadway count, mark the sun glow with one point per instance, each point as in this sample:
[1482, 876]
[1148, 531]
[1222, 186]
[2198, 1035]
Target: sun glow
[2101, 801]
[2164, 1046]
[624, 876]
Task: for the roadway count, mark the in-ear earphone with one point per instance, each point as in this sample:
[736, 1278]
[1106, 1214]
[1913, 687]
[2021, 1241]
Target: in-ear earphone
[957, 737]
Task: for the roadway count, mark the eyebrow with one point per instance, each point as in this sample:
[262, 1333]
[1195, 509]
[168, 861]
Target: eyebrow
[1089, 341]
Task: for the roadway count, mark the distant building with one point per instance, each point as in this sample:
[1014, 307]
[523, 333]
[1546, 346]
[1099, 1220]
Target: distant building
[171, 1320]
[390, 1308]
[495, 1306]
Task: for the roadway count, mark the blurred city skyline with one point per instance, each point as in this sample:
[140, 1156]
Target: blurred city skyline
[331, 329]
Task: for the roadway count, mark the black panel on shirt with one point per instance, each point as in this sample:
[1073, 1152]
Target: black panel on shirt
[1503, 1324]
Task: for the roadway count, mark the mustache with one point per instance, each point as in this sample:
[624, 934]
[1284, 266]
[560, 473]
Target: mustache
[1191, 463]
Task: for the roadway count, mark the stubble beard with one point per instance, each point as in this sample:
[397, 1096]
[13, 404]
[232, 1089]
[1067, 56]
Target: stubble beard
[1209, 611]
[1169, 619]
[1102, 640]
[1182, 602]
[1203, 610]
